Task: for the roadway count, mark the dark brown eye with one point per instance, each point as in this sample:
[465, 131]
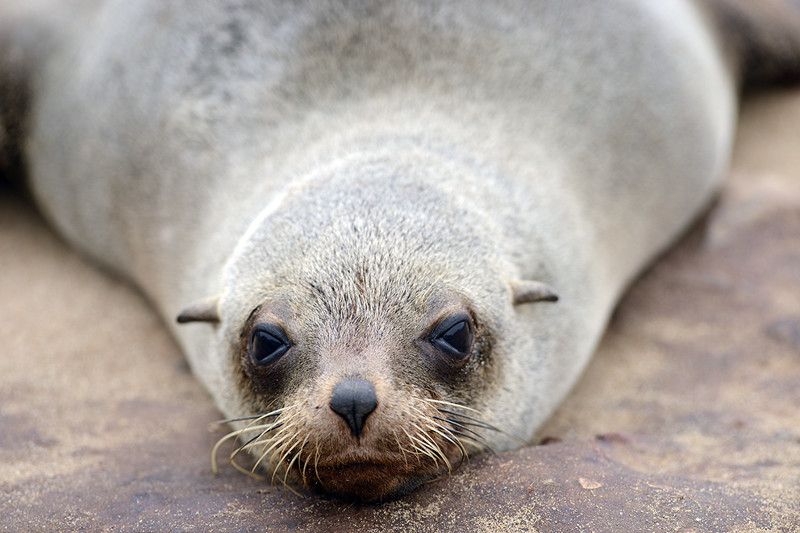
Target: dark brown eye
[267, 344]
[454, 336]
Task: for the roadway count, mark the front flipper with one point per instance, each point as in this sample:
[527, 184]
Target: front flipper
[205, 310]
[529, 291]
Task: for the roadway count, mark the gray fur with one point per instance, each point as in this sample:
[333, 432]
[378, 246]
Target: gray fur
[359, 162]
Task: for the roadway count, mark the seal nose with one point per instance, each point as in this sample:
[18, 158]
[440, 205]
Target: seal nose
[354, 400]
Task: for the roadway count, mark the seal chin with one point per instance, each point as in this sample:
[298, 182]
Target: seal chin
[373, 477]
[369, 482]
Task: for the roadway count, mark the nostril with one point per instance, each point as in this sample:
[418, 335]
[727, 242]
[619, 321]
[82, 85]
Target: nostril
[354, 400]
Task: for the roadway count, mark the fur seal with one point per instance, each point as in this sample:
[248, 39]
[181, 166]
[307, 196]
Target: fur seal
[403, 224]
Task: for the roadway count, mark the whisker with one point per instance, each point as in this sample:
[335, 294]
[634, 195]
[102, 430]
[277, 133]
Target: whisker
[288, 486]
[215, 449]
[290, 463]
[243, 418]
[259, 427]
[253, 442]
[420, 447]
[295, 458]
[283, 451]
[476, 422]
[448, 436]
[277, 442]
[433, 447]
[276, 464]
[251, 417]
[473, 438]
[253, 425]
[400, 447]
[456, 405]
[459, 424]
[247, 472]
[469, 420]
[303, 470]
[316, 462]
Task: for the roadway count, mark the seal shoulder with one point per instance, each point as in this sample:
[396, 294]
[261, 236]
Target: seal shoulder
[761, 39]
[29, 32]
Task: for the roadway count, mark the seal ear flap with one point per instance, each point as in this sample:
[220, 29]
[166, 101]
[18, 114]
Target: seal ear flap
[204, 310]
[528, 291]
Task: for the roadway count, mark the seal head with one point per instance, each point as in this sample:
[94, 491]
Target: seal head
[366, 342]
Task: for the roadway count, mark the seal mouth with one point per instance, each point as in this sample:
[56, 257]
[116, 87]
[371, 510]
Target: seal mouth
[370, 474]
[382, 464]
[369, 471]
[372, 482]
[371, 458]
[380, 468]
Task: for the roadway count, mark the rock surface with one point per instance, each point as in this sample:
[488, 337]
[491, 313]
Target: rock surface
[688, 418]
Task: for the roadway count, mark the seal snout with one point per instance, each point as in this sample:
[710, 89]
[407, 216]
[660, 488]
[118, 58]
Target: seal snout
[354, 400]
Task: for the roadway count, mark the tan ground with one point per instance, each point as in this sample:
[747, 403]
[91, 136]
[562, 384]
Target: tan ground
[695, 393]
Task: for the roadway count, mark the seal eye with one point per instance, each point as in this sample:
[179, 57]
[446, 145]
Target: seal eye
[454, 337]
[267, 344]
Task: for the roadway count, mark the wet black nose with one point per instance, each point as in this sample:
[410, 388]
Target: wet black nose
[354, 400]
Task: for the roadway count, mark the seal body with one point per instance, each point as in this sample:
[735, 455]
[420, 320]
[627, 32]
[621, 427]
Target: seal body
[381, 200]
